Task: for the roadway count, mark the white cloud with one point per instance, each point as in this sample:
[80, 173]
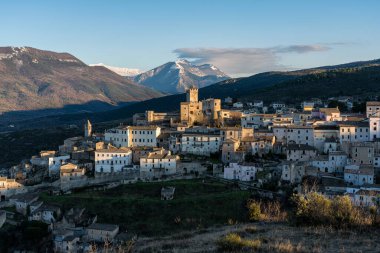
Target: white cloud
[246, 61]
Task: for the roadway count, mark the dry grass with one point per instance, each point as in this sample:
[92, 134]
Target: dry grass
[233, 242]
[286, 247]
[265, 238]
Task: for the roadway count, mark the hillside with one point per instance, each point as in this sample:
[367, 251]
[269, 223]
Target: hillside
[33, 79]
[176, 77]
[361, 79]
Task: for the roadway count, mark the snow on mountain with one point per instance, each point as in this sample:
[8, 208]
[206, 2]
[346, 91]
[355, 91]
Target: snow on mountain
[119, 70]
[176, 77]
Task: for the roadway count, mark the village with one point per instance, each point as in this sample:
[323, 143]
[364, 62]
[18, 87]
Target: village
[261, 146]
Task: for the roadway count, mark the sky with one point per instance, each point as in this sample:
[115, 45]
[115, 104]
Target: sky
[241, 37]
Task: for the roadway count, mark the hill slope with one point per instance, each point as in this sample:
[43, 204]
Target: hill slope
[361, 79]
[174, 77]
[33, 79]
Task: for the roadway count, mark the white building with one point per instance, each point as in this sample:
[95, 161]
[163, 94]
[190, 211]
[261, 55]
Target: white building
[359, 175]
[262, 145]
[238, 105]
[292, 172]
[242, 172]
[324, 133]
[158, 165]
[71, 171]
[55, 163]
[372, 108]
[365, 198]
[334, 162]
[99, 232]
[354, 132]
[132, 136]
[294, 134]
[10, 187]
[374, 126]
[252, 120]
[45, 213]
[330, 114]
[200, 143]
[300, 152]
[278, 105]
[258, 103]
[112, 159]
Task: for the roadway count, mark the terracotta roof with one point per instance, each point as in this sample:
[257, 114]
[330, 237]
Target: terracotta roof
[329, 111]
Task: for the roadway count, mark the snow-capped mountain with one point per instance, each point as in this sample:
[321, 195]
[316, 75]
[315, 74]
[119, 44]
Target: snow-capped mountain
[119, 70]
[176, 77]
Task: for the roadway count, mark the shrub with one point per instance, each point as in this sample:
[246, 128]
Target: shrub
[265, 211]
[254, 210]
[315, 209]
[233, 242]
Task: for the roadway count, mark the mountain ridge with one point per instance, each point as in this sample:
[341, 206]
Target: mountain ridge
[33, 79]
[177, 76]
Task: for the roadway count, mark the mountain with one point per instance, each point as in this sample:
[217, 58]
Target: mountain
[175, 77]
[33, 79]
[119, 70]
[352, 79]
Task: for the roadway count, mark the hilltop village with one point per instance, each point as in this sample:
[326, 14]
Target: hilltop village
[263, 146]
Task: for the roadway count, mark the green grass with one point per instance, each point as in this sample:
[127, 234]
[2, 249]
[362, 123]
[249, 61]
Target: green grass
[138, 207]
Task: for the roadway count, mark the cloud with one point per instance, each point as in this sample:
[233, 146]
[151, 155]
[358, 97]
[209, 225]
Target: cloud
[246, 61]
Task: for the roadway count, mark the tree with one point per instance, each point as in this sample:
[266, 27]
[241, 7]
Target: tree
[334, 103]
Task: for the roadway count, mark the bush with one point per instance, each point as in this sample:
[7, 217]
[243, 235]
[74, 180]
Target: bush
[233, 242]
[254, 210]
[316, 209]
[265, 211]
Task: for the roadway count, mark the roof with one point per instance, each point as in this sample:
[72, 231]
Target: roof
[367, 192]
[159, 156]
[329, 111]
[326, 127]
[70, 238]
[103, 226]
[331, 139]
[25, 197]
[337, 153]
[136, 127]
[231, 128]
[299, 147]
[250, 138]
[114, 150]
[364, 171]
[294, 126]
[69, 166]
[231, 140]
[47, 207]
[373, 103]
[321, 158]
[353, 124]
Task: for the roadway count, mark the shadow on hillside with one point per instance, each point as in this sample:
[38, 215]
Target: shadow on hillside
[13, 120]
